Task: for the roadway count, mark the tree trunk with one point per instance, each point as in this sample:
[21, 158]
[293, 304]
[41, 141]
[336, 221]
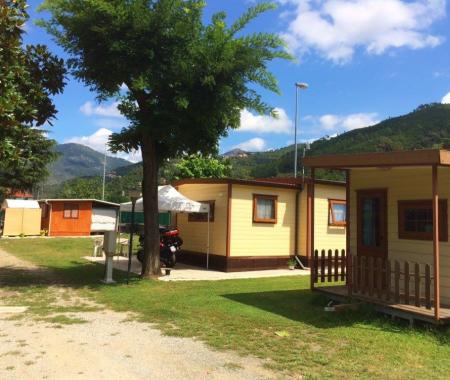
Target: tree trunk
[150, 264]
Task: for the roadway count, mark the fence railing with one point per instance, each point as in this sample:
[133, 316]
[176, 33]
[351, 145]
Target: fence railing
[395, 281]
[392, 281]
[329, 266]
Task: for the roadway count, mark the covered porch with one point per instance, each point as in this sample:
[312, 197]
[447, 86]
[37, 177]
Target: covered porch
[397, 256]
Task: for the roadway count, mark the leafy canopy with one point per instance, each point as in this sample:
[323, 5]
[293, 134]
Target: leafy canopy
[186, 82]
[198, 166]
[29, 77]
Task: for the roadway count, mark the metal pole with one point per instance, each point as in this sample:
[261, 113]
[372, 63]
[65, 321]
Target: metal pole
[207, 248]
[295, 133]
[130, 248]
[104, 176]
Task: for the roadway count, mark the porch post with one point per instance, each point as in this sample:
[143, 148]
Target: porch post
[349, 263]
[436, 247]
[310, 224]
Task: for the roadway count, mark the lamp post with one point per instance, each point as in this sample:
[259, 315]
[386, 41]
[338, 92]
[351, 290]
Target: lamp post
[134, 196]
[298, 86]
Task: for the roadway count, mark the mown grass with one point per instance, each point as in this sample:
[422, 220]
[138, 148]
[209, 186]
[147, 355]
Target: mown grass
[277, 319]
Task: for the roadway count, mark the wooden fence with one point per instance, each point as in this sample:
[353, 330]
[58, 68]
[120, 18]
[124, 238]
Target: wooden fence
[329, 266]
[389, 281]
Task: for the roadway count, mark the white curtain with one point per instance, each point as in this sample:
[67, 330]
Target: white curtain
[265, 209]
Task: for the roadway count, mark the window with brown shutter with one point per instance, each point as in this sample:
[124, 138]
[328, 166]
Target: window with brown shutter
[71, 211]
[415, 220]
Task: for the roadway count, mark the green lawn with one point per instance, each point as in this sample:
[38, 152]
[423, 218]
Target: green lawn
[273, 318]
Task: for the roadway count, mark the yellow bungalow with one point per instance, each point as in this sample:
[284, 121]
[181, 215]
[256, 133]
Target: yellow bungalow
[398, 253]
[259, 224]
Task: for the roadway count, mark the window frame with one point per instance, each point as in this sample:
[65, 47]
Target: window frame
[402, 205]
[273, 198]
[202, 217]
[71, 207]
[331, 220]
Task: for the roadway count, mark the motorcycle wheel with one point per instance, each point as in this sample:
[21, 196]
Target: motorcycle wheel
[140, 255]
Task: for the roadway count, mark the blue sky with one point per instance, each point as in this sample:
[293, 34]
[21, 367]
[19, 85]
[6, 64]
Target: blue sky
[364, 61]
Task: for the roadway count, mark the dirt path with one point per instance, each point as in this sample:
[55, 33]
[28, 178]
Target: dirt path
[108, 345]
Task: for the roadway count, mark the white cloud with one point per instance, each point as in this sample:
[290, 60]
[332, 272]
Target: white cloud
[107, 110]
[446, 99]
[264, 123]
[332, 123]
[98, 140]
[255, 144]
[336, 28]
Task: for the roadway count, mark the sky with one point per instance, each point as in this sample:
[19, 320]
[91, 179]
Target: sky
[363, 60]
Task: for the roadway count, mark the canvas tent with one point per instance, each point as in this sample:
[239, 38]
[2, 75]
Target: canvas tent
[21, 217]
[170, 200]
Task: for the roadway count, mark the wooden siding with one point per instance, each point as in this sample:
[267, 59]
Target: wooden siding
[325, 237]
[59, 226]
[405, 184]
[262, 239]
[194, 234]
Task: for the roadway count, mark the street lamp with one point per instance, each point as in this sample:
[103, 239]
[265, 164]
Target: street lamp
[134, 196]
[298, 86]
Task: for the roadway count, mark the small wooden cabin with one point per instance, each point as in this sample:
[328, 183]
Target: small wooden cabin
[78, 217]
[397, 250]
[259, 224]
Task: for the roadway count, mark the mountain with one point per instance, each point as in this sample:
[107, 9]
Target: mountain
[76, 160]
[236, 153]
[426, 127]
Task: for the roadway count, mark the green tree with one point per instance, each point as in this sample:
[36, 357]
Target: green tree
[29, 77]
[198, 166]
[89, 187]
[187, 82]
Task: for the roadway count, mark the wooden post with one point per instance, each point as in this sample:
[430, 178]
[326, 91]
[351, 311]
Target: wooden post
[437, 296]
[347, 234]
[310, 223]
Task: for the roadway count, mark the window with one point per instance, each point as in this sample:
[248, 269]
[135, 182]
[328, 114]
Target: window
[71, 211]
[415, 220]
[265, 208]
[203, 217]
[337, 212]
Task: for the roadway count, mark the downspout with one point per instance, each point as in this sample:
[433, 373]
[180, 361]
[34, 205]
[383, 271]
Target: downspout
[297, 227]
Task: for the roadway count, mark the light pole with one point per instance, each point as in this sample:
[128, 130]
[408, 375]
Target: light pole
[134, 196]
[298, 86]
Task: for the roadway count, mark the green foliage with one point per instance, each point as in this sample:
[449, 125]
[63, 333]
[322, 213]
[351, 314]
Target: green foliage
[29, 77]
[187, 81]
[198, 166]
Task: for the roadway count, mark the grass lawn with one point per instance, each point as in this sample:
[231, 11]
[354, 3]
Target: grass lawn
[277, 319]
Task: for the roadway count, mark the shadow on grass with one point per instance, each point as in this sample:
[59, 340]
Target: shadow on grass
[77, 275]
[307, 307]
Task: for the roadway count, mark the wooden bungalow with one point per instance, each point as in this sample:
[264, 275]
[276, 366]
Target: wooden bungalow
[397, 251]
[259, 224]
[77, 217]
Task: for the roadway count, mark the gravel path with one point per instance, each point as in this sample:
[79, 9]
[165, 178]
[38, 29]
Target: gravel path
[109, 345]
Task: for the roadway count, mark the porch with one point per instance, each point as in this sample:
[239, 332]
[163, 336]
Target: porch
[398, 250]
[398, 288]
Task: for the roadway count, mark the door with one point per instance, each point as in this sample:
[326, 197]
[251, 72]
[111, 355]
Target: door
[372, 223]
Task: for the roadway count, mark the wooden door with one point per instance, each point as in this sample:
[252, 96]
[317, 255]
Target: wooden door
[372, 223]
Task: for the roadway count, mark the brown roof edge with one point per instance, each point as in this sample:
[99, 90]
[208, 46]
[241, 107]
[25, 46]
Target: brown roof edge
[421, 157]
[279, 182]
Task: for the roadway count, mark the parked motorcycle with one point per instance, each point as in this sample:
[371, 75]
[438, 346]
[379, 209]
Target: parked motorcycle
[170, 244]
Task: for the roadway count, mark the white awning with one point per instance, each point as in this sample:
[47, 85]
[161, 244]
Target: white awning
[19, 203]
[169, 199]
